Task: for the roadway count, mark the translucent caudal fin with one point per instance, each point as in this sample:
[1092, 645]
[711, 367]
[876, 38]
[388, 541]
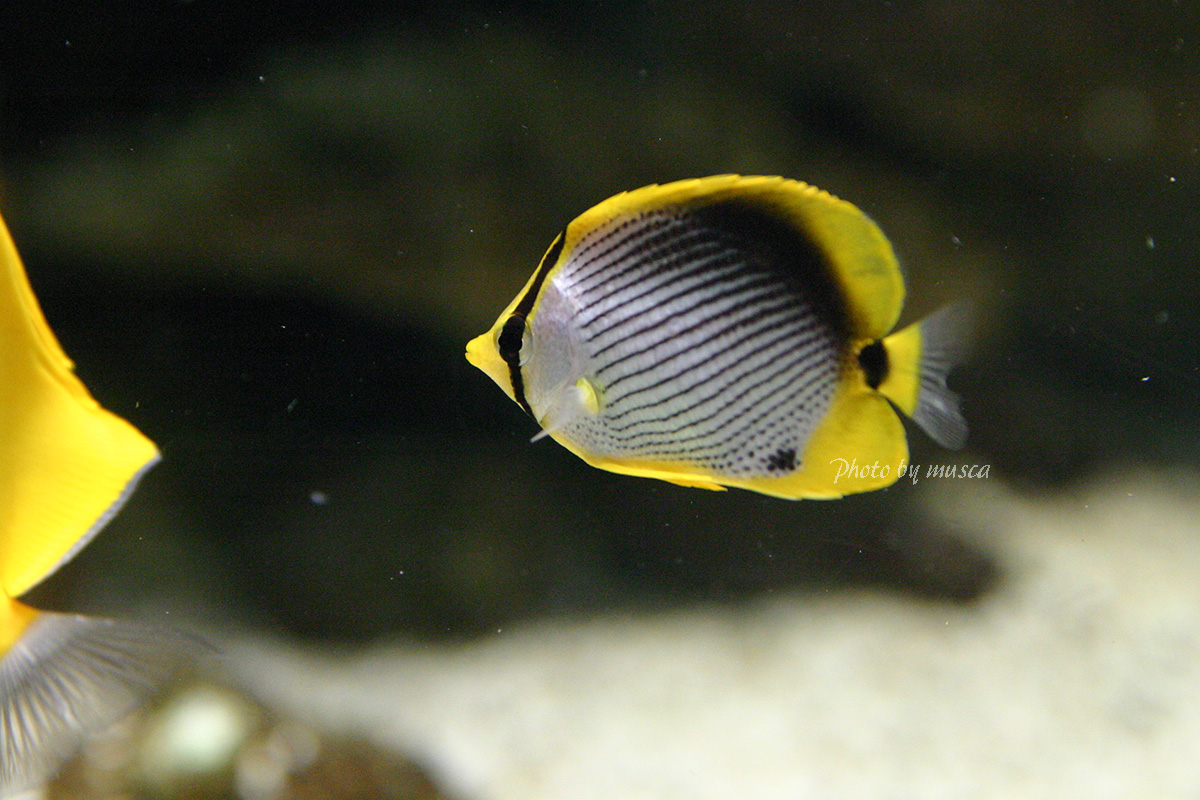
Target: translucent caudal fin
[945, 340]
[919, 359]
[68, 676]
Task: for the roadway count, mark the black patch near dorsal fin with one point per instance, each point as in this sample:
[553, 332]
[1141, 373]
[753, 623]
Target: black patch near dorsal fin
[769, 237]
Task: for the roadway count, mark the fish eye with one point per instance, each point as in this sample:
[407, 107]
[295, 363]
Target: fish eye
[515, 341]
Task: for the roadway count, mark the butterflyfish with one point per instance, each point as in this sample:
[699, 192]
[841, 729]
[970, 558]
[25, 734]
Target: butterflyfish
[66, 467]
[728, 331]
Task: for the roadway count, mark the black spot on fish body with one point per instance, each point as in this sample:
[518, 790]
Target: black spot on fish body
[782, 460]
[874, 362]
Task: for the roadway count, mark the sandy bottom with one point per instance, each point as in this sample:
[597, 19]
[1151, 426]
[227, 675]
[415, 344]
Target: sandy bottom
[1079, 676]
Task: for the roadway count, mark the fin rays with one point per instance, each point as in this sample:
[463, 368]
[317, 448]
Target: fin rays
[945, 340]
[68, 676]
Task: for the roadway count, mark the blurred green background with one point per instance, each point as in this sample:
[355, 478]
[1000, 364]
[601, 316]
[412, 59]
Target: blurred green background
[265, 232]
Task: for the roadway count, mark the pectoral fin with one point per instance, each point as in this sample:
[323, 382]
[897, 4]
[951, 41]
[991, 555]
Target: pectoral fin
[572, 402]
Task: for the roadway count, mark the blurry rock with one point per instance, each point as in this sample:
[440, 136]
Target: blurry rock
[209, 741]
[191, 743]
[1091, 645]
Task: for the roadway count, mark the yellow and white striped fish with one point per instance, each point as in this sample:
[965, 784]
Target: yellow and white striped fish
[727, 331]
[66, 466]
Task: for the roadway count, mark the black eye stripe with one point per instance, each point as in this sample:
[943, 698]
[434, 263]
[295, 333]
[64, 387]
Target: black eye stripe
[511, 335]
[509, 345]
[548, 261]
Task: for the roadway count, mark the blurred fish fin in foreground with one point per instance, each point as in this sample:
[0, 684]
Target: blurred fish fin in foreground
[66, 467]
[67, 676]
[933, 346]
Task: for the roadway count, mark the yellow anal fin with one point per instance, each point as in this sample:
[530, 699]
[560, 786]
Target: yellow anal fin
[662, 472]
[67, 676]
[671, 473]
[858, 447]
[66, 464]
[693, 483]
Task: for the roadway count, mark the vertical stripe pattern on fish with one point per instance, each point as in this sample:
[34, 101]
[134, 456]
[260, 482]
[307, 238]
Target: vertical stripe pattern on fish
[703, 352]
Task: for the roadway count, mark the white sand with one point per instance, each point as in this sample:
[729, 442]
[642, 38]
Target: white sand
[1078, 677]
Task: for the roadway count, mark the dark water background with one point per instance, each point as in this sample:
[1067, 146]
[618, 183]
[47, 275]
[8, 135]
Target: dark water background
[265, 233]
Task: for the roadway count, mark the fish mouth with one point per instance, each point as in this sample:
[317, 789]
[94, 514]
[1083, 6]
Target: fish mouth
[481, 354]
[475, 351]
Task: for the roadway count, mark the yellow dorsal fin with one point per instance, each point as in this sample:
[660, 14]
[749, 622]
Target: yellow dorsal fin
[66, 464]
